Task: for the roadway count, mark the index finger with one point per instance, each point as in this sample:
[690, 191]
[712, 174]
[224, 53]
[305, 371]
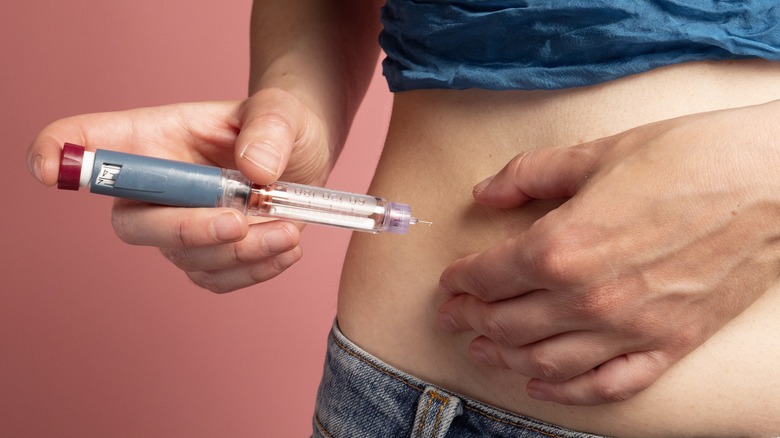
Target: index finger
[202, 132]
[548, 173]
[500, 272]
[548, 255]
[138, 223]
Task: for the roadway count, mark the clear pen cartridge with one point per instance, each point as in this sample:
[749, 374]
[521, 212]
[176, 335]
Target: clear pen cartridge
[174, 183]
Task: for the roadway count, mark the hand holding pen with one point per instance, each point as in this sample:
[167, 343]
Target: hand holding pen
[268, 136]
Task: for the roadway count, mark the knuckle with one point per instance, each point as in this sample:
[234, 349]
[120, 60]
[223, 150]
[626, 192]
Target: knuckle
[212, 282]
[554, 258]
[601, 304]
[182, 234]
[686, 337]
[522, 161]
[240, 254]
[237, 277]
[245, 252]
[612, 393]
[497, 329]
[289, 123]
[481, 277]
[174, 256]
[517, 167]
[546, 367]
[268, 269]
[639, 372]
[479, 289]
[263, 272]
[565, 253]
[123, 228]
[283, 261]
[277, 108]
[278, 122]
[181, 258]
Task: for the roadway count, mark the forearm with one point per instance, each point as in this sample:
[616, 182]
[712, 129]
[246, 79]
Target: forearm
[322, 51]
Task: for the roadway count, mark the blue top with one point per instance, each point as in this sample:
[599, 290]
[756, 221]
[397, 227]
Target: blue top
[552, 44]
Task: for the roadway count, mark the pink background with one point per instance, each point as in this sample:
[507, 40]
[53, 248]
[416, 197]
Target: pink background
[98, 338]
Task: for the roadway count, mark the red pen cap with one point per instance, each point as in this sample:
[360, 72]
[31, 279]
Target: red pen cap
[70, 166]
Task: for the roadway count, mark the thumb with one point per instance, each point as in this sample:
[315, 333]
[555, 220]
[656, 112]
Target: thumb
[270, 123]
[43, 155]
[551, 173]
[43, 159]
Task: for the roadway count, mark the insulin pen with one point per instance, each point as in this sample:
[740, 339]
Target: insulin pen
[174, 183]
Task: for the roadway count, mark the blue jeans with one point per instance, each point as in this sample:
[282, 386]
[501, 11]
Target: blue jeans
[361, 396]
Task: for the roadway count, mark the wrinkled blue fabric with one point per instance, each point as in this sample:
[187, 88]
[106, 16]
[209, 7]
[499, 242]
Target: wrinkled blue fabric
[553, 44]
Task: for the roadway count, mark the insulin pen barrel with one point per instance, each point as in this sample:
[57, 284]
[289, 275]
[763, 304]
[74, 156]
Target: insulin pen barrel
[129, 176]
[299, 202]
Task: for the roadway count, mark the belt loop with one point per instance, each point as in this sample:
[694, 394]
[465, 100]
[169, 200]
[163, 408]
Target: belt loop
[435, 411]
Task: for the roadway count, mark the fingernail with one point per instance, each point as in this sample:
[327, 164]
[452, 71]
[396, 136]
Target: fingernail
[264, 156]
[447, 322]
[483, 185]
[227, 227]
[277, 241]
[37, 167]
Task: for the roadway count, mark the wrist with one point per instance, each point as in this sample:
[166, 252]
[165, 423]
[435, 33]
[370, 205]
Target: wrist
[324, 52]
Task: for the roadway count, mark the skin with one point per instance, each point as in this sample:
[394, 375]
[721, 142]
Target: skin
[665, 173]
[626, 305]
[585, 255]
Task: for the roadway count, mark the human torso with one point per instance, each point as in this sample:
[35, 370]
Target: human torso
[442, 142]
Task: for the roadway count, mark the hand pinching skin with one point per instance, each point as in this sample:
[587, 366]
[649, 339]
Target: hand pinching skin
[668, 233]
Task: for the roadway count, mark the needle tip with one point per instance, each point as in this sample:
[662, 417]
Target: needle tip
[418, 221]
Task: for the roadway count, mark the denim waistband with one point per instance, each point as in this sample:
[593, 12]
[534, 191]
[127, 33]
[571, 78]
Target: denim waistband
[361, 396]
